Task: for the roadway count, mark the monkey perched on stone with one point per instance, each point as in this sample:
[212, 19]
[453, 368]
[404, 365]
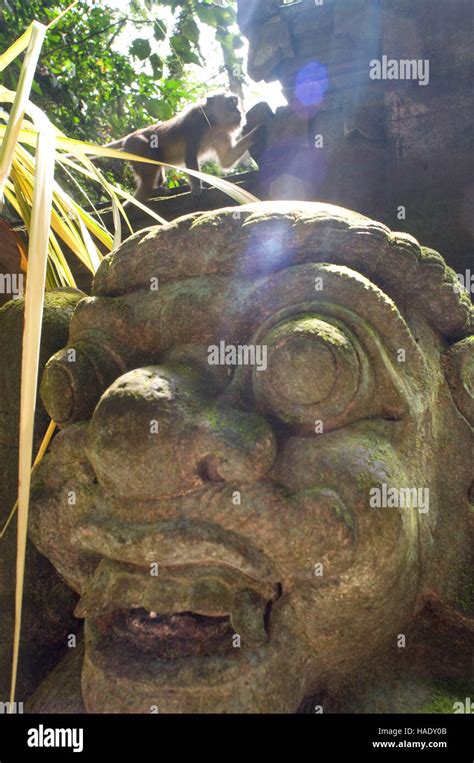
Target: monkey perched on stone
[205, 129]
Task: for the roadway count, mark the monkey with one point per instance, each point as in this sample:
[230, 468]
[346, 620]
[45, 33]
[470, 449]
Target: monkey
[205, 129]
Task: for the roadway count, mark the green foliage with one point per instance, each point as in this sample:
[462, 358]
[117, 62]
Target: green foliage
[94, 91]
[80, 79]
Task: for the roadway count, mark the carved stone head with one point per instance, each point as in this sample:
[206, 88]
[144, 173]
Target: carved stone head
[265, 457]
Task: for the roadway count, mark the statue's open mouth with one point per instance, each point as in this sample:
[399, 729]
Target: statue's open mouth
[207, 610]
[183, 634]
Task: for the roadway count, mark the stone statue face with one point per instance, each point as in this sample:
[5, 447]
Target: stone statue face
[250, 503]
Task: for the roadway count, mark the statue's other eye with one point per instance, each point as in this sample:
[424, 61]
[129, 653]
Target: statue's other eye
[316, 371]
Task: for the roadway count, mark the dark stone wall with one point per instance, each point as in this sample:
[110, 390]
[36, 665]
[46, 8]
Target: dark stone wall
[386, 143]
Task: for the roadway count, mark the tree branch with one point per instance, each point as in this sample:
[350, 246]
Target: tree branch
[88, 37]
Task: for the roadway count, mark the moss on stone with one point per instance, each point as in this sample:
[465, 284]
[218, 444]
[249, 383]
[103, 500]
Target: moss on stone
[444, 697]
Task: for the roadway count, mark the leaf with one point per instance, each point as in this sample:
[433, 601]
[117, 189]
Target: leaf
[179, 43]
[14, 50]
[226, 16]
[189, 57]
[206, 14]
[215, 16]
[156, 65]
[140, 48]
[158, 109]
[34, 300]
[159, 30]
[7, 149]
[190, 29]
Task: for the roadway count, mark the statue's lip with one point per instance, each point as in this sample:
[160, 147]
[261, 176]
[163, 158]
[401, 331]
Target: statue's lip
[172, 542]
[181, 609]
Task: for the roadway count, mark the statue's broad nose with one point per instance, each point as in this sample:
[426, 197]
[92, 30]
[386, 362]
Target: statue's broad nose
[157, 431]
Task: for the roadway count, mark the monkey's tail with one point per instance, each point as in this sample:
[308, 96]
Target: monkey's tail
[114, 144]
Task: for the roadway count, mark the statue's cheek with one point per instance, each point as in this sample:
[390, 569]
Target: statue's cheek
[355, 576]
[362, 502]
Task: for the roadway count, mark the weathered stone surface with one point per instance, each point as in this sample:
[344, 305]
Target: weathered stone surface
[236, 497]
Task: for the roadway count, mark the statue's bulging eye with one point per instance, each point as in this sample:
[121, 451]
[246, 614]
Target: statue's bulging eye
[313, 372]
